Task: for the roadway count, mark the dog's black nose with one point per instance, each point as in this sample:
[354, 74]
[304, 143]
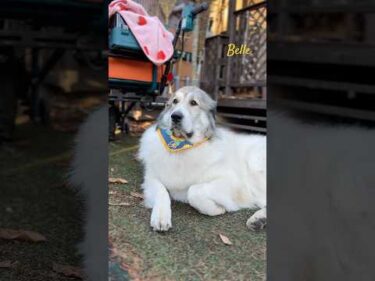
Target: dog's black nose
[176, 117]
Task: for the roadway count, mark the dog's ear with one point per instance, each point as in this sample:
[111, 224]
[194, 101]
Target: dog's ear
[212, 118]
[208, 101]
[213, 113]
[170, 100]
[212, 124]
[212, 107]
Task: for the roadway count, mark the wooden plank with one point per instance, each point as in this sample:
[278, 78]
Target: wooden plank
[50, 39]
[329, 109]
[327, 8]
[322, 84]
[283, 21]
[244, 127]
[242, 116]
[249, 84]
[323, 52]
[224, 36]
[242, 103]
[251, 7]
[231, 30]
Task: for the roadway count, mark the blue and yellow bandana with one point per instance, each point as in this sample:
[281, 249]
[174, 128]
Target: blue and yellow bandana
[174, 144]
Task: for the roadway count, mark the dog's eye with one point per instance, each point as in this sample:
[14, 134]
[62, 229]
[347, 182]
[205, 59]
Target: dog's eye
[193, 103]
[175, 101]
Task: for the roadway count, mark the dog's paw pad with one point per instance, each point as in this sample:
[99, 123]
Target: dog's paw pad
[256, 225]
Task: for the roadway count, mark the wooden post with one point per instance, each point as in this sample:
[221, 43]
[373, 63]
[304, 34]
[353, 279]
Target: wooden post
[283, 21]
[219, 44]
[195, 50]
[231, 31]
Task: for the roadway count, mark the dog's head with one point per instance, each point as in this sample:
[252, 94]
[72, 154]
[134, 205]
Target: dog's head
[190, 114]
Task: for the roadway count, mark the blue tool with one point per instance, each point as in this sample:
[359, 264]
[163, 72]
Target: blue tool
[188, 15]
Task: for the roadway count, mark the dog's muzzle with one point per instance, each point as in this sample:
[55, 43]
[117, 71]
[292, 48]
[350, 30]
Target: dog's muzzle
[177, 125]
[176, 117]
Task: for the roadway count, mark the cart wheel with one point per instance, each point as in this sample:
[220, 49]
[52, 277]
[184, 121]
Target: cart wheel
[125, 126]
[148, 106]
[44, 112]
[112, 122]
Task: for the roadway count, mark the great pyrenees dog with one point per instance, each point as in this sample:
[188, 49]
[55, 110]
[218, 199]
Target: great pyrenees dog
[188, 159]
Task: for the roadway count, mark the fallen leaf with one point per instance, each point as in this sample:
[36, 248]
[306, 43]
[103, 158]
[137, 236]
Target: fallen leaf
[119, 204]
[7, 264]
[112, 192]
[23, 235]
[68, 271]
[117, 181]
[225, 239]
[136, 195]
[135, 156]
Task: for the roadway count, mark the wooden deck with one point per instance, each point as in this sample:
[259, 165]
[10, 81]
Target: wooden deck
[243, 114]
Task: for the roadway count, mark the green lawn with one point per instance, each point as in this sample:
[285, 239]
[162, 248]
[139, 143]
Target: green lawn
[33, 196]
[192, 250]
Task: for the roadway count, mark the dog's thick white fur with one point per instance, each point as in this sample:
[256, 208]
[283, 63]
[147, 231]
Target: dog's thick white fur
[224, 174]
[89, 176]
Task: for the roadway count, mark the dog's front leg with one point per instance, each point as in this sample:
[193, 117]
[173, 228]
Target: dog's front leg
[206, 198]
[157, 197]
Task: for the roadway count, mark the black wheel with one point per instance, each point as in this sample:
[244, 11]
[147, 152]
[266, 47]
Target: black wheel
[125, 126]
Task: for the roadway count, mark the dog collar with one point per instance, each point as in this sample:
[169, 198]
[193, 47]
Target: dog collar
[174, 144]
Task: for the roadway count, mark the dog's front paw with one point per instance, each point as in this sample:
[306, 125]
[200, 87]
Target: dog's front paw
[161, 218]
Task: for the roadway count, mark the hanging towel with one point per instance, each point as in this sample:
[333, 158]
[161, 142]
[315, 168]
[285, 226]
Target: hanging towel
[150, 33]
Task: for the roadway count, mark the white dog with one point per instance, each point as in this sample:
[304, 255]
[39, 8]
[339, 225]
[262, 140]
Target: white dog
[188, 159]
[89, 176]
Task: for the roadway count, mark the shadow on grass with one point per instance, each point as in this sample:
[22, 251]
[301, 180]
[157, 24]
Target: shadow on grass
[192, 250]
[33, 196]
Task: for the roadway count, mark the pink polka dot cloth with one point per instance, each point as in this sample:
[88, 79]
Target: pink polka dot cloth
[149, 32]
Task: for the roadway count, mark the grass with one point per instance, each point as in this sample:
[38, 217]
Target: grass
[33, 197]
[192, 250]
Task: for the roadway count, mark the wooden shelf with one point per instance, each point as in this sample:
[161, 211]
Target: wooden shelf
[242, 103]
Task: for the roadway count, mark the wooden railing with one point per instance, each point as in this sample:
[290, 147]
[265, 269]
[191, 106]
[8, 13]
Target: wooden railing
[222, 74]
[215, 65]
[238, 82]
